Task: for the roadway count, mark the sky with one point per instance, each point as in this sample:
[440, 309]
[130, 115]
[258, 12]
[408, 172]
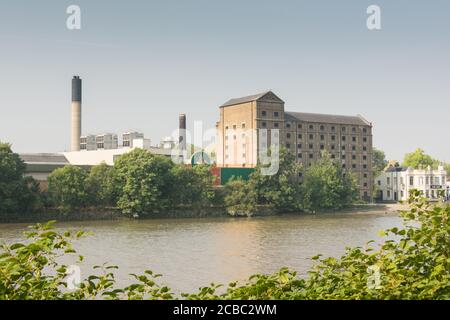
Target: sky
[144, 62]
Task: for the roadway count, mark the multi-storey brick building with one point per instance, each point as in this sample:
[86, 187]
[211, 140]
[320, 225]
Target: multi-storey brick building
[348, 139]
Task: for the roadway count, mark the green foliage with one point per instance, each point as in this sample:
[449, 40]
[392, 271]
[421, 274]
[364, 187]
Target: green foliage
[100, 185]
[67, 187]
[17, 193]
[418, 159]
[241, 198]
[281, 190]
[379, 162]
[144, 180]
[413, 263]
[192, 186]
[327, 185]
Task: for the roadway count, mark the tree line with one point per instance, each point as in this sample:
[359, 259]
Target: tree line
[141, 183]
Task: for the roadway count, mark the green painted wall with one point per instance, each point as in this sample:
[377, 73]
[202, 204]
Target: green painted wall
[227, 173]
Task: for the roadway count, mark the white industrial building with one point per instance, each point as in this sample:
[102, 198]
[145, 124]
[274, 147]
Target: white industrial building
[395, 183]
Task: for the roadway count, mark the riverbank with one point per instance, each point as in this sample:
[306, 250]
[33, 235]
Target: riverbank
[102, 214]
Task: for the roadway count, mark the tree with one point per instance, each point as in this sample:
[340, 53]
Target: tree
[67, 187]
[327, 185]
[145, 182]
[418, 159]
[379, 162]
[240, 198]
[281, 190]
[191, 186]
[18, 193]
[100, 185]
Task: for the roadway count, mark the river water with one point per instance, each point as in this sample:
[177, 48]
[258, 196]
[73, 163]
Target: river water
[195, 252]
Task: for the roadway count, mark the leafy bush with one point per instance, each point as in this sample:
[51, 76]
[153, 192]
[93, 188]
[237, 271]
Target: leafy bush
[240, 198]
[100, 185]
[143, 179]
[67, 187]
[327, 185]
[17, 192]
[413, 263]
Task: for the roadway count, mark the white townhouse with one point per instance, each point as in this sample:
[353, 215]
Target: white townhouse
[395, 183]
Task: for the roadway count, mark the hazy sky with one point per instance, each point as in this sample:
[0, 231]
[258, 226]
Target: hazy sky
[144, 62]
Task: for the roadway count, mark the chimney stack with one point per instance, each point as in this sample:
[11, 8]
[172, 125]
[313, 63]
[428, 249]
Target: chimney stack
[76, 114]
[182, 132]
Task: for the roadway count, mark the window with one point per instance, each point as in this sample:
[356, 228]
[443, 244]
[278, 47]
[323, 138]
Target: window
[234, 127]
[365, 130]
[333, 137]
[311, 155]
[243, 155]
[354, 139]
[389, 194]
[365, 184]
[364, 157]
[288, 135]
[275, 124]
[333, 156]
[299, 155]
[243, 125]
[343, 138]
[288, 125]
[343, 147]
[299, 145]
[322, 128]
[379, 182]
[364, 148]
[299, 136]
[311, 146]
[333, 128]
[353, 129]
[311, 137]
[275, 114]
[322, 137]
[364, 166]
[365, 175]
[364, 139]
[343, 157]
[343, 166]
[322, 147]
[263, 113]
[226, 127]
[411, 181]
[354, 166]
[264, 124]
[332, 147]
[288, 145]
[353, 157]
[388, 180]
[343, 129]
[299, 126]
[311, 127]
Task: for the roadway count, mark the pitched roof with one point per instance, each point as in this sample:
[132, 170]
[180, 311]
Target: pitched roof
[248, 98]
[327, 118]
[43, 158]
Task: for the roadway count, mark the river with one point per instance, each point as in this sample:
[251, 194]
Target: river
[194, 252]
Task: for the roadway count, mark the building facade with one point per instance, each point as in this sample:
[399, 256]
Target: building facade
[348, 139]
[395, 183]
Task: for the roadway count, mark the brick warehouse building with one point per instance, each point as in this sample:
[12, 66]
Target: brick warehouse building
[348, 139]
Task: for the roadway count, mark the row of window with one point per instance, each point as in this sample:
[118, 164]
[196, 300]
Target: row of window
[428, 180]
[322, 137]
[322, 147]
[321, 127]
